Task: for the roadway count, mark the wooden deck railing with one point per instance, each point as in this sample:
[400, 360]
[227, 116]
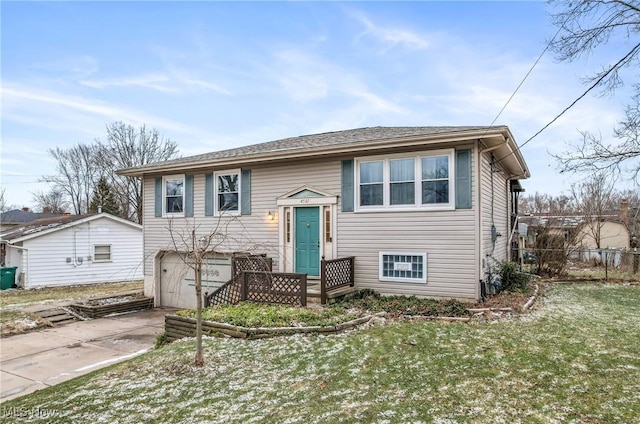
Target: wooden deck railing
[253, 280]
[231, 291]
[335, 274]
[270, 287]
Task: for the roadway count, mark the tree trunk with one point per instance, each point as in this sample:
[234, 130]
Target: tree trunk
[199, 361]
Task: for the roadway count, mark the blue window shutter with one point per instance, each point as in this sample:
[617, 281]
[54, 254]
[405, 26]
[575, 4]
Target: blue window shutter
[188, 195]
[245, 192]
[463, 179]
[208, 194]
[347, 186]
[158, 197]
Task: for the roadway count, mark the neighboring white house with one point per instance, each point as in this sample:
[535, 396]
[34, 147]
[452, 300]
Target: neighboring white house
[74, 249]
[425, 211]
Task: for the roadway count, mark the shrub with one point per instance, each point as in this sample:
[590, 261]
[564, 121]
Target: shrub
[513, 279]
[161, 340]
[552, 253]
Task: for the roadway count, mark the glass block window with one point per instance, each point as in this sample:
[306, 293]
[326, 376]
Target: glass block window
[408, 267]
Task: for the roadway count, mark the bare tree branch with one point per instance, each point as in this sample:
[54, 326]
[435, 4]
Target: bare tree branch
[584, 27]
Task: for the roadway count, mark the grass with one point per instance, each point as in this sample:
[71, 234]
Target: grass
[248, 314]
[576, 360]
[14, 320]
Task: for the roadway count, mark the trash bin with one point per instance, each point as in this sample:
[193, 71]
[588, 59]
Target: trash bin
[8, 277]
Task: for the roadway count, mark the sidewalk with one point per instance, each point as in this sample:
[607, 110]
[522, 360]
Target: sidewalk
[32, 361]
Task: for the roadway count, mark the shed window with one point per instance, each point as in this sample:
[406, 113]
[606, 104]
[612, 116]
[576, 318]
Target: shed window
[101, 253]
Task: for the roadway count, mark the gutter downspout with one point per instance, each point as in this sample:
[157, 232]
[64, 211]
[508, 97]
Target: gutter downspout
[28, 267]
[480, 259]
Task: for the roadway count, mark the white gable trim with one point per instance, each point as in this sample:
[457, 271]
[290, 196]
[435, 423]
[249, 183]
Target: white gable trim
[323, 198]
[305, 188]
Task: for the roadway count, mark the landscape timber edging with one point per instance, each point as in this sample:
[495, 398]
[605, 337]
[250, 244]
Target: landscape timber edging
[177, 327]
[97, 311]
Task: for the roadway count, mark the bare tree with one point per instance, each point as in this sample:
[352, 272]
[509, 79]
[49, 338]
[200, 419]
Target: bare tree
[552, 228]
[53, 201]
[127, 147]
[77, 174]
[195, 242]
[584, 27]
[594, 197]
[3, 200]
[546, 203]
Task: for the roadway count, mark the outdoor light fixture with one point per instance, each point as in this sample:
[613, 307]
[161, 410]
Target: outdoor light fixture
[270, 216]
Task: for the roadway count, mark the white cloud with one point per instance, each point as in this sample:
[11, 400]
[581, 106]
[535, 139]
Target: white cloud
[176, 81]
[390, 37]
[47, 108]
[78, 66]
[307, 78]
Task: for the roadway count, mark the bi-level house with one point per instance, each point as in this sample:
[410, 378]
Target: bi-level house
[425, 211]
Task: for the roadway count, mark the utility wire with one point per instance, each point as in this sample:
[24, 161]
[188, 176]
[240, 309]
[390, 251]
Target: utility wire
[633, 51]
[525, 78]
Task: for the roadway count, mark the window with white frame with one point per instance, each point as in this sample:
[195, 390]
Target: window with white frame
[227, 195]
[435, 180]
[102, 253]
[371, 183]
[420, 180]
[408, 267]
[173, 195]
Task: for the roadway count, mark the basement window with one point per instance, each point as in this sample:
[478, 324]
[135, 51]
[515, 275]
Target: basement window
[404, 267]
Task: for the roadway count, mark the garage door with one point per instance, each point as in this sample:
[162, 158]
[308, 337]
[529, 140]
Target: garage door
[177, 282]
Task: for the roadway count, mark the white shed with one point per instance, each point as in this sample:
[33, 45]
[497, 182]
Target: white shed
[74, 249]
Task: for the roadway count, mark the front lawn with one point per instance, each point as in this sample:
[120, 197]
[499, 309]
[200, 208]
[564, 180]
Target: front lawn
[577, 359]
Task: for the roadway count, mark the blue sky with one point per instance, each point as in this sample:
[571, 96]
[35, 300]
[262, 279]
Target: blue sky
[215, 75]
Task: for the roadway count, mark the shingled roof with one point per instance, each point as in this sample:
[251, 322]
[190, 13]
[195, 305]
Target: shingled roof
[21, 216]
[45, 225]
[317, 143]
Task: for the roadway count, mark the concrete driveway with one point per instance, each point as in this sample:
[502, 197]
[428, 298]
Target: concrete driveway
[32, 361]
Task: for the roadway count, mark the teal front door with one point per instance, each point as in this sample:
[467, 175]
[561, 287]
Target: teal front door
[307, 232]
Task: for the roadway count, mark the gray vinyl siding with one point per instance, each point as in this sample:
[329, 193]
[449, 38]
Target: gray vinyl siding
[253, 232]
[495, 198]
[450, 238]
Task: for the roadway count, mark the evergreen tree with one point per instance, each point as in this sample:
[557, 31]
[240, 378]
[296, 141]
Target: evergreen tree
[104, 197]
